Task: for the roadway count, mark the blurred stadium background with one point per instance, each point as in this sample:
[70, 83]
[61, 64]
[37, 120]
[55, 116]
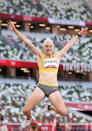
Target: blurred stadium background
[59, 20]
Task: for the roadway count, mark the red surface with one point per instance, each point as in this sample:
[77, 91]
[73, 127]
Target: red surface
[80, 106]
[23, 18]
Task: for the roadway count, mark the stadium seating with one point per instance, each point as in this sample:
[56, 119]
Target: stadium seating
[15, 92]
[11, 47]
[65, 9]
[76, 91]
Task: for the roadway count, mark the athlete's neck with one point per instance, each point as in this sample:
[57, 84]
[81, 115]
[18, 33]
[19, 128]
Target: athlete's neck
[48, 55]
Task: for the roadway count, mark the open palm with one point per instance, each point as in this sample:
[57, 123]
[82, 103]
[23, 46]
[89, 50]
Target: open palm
[83, 31]
[11, 25]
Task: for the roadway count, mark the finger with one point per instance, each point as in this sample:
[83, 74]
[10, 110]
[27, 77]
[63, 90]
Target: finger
[8, 22]
[83, 28]
[8, 26]
[86, 29]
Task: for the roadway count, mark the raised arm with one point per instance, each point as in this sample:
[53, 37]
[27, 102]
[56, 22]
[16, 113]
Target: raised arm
[71, 42]
[34, 49]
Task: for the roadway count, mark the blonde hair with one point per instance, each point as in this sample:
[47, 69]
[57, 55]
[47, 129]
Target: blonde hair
[48, 40]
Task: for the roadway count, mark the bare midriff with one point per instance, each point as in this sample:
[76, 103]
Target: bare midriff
[49, 78]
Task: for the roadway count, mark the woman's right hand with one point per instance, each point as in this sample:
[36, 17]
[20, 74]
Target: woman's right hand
[11, 25]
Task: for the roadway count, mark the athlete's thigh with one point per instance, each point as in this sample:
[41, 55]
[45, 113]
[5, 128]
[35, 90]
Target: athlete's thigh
[36, 97]
[57, 100]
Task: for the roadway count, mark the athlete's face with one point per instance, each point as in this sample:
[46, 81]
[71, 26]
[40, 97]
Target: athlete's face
[48, 48]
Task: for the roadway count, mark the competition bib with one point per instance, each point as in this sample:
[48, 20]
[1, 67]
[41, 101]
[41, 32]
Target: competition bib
[50, 63]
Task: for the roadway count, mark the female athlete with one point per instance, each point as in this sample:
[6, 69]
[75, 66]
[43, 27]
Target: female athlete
[48, 64]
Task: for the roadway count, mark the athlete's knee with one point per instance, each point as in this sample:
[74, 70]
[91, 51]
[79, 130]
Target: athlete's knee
[26, 111]
[62, 112]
